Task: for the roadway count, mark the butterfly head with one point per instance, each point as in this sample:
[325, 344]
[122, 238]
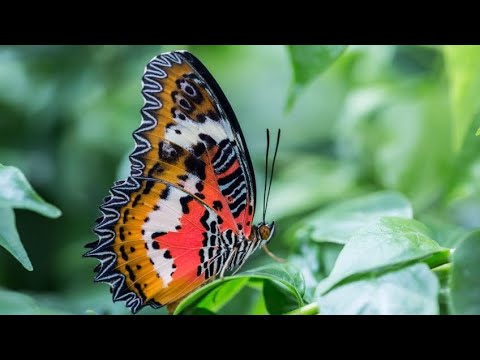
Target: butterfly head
[264, 231]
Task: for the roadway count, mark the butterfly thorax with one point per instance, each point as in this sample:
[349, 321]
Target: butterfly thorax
[229, 251]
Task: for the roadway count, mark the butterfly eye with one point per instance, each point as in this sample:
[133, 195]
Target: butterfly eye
[264, 232]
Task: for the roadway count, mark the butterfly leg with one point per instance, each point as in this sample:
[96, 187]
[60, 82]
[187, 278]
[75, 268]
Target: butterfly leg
[273, 256]
[228, 261]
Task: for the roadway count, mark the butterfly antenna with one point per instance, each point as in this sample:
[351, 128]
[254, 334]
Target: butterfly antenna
[271, 174]
[266, 177]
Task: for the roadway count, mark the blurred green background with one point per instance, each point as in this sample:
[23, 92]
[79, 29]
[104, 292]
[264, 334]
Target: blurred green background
[381, 117]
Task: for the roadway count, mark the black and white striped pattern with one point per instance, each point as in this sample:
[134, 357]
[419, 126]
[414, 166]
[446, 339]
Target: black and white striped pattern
[224, 250]
[233, 186]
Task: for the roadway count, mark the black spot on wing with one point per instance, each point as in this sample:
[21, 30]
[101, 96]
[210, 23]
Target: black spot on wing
[207, 139]
[138, 287]
[148, 187]
[204, 220]
[165, 192]
[123, 253]
[195, 166]
[169, 152]
[157, 234]
[184, 202]
[155, 171]
[199, 149]
[131, 274]
[136, 200]
[217, 205]
[177, 115]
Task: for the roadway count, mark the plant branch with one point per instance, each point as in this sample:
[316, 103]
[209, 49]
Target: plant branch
[310, 309]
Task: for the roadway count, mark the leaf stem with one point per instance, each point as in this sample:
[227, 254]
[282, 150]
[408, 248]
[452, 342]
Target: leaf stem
[310, 309]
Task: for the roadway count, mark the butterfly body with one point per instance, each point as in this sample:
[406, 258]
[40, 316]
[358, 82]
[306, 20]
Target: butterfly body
[185, 213]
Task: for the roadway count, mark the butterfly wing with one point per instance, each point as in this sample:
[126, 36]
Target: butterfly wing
[191, 181]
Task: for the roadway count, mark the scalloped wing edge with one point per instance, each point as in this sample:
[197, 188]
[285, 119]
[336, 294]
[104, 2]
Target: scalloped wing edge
[119, 194]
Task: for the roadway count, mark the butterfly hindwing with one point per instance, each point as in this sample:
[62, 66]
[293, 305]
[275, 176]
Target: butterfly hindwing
[191, 185]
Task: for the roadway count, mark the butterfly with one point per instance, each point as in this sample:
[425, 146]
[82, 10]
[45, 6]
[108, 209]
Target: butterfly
[184, 215]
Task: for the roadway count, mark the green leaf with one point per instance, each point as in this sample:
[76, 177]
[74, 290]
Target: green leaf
[464, 75]
[384, 244]
[16, 303]
[308, 62]
[315, 261]
[16, 192]
[465, 282]
[9, 238]
[338, 222]
[278, 299]
[216, 294]
[412, 290]
[221, 295]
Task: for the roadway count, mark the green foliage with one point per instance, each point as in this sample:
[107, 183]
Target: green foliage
[16, 192]
[376, 192]
[465, 283]
[308, 62]
[15, 303]
[336, 223]
[284, 281]
[10, 240]
[464, 75]
[410, 290]
[386, 243]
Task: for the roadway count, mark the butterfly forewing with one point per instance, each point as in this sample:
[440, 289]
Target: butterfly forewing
[164, 229]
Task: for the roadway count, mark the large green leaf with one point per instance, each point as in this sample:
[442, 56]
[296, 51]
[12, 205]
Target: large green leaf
[384, 244]
[338, 222]
[308, 62]
[465, 282]
[462, 64]
[16, 192]
[213, 296]
[315, 261]
[16, 303]
[9, 238]
[410, 290]
[219, 296]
